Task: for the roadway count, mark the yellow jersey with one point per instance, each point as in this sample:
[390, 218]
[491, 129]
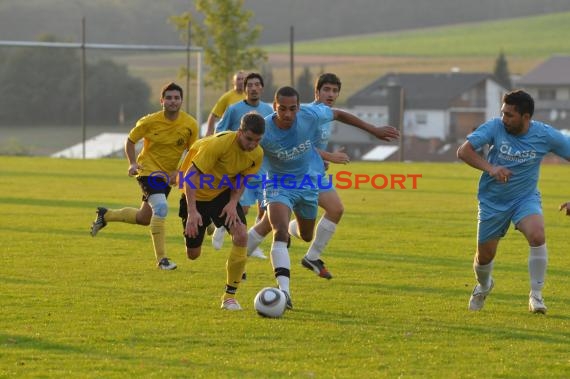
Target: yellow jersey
[227, 99]
[220, 159]
[164, 141]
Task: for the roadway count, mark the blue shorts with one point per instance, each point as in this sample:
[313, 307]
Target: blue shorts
[251, 196]
[495, 224]
[325, 183]
[304, 202]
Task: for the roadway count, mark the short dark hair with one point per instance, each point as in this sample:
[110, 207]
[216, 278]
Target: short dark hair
[286, 91]
[522, 101]
[253, 122]
[325, 78]
[253, 75]
[172, 87]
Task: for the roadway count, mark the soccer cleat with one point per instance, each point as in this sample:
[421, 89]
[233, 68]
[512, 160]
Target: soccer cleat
[477, 299]
[218, 238]
[536, 305]
[99, 222]
[166, 264]
[231, 304]
[288, 303]
[244, 277]
[258, 253]
[210, 229]
[317, 266]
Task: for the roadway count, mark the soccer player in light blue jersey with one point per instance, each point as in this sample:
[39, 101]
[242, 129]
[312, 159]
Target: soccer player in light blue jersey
[253, 86]
[289, 143]
[327, 90]
[508, 190]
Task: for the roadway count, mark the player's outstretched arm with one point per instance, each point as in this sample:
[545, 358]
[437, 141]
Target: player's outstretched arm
[337, 156]
[385, 133]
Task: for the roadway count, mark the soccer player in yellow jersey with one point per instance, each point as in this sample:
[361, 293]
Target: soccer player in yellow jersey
[166, 134]
[231, 97]
[214, 170]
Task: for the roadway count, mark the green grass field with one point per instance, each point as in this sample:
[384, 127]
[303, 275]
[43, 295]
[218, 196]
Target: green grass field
[537, 36]
[73, 306]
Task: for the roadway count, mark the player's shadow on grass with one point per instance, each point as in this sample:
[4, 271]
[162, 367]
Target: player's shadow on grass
[14, 341]
[88, 205]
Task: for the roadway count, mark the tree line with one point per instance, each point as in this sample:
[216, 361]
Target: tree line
[42, 86]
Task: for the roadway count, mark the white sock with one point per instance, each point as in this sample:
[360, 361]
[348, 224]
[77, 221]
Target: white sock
[483, 274]
[253, 240]
[280, 259]
[293, 228]
[325, 231]
[537, 262]
[283, 283]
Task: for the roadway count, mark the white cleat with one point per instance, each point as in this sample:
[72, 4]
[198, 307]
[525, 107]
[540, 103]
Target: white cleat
[477, 300]
[218, 238]
[231, 305]
[536, 305]
[258, 253]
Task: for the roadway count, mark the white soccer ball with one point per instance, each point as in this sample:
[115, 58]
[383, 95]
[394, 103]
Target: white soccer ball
[270, 302]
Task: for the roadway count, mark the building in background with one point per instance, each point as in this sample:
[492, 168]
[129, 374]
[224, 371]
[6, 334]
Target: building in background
[439, 110]
[549, 85]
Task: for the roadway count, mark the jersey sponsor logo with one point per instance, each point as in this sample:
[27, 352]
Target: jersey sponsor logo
[509, 153]
[294, 152]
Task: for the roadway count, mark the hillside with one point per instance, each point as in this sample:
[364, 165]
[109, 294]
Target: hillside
[536, 36]
[145, 21]
[357, 59]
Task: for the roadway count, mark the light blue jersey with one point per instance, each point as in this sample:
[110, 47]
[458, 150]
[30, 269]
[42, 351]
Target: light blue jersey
[512, 201]
[291, 152]
[290, 157]
[232, 116]
[520, 154]
[322, 144]
[326, 130]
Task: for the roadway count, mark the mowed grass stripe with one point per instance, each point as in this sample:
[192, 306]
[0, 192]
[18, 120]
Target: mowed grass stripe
[77, 306]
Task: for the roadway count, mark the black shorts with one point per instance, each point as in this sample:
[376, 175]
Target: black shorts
[210, 212]
[153, 184]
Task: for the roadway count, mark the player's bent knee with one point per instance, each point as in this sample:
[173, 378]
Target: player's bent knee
[158, 205]
[144, 221]
[239, 235]
[160, 210]
[536, 239]
[307, 236]
[193, 253]
[334, 214]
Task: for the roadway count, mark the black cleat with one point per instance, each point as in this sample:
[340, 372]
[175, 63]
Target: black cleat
[317, 266]
[99, 222]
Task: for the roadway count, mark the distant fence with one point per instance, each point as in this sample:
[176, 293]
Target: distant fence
[83, 47]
